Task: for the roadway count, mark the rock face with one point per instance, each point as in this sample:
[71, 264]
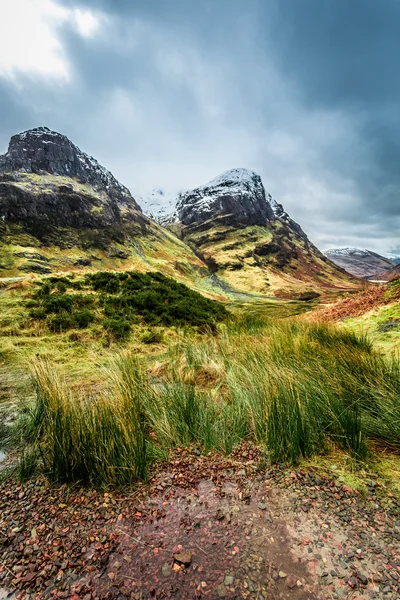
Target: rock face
[236, 198]
[360, 262]
[46, 182]
[247, 237]
[42, 151]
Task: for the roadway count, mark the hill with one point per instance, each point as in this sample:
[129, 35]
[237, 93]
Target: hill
[359, 262]
[375, 311]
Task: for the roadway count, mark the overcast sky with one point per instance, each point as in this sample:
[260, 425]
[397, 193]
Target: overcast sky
[169, 93]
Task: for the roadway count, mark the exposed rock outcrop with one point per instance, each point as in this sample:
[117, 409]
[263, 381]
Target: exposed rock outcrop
[46, 182]
[236, 198]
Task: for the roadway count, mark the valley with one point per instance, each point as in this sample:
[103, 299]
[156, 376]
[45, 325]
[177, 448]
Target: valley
[206, 407]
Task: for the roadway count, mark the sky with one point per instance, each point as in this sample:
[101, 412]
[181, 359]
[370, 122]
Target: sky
[170, 93]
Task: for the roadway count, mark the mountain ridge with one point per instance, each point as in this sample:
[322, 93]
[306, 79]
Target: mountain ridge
[60, 209]
[247, 237]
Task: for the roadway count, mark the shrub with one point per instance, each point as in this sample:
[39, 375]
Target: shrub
[153, 337]
[120, 329]
[82, 318]
[125, 297]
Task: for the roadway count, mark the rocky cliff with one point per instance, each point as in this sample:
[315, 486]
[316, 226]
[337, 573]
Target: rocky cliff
[46, 182]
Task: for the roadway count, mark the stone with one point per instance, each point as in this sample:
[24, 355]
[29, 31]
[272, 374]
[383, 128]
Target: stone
[221, 591]
[166, 570]
[262, 506]
[229, 580]
[282, 574]
[183, 558]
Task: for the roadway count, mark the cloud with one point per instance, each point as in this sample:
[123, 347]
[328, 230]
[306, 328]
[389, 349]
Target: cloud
[30, 42]
[169, 94]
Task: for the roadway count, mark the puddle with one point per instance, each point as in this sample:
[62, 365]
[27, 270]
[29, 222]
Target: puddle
[233, 549]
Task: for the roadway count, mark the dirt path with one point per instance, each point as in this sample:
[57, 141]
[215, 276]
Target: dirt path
[205, 527]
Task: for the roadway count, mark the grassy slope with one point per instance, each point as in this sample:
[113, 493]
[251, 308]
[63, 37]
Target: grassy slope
[295, 269]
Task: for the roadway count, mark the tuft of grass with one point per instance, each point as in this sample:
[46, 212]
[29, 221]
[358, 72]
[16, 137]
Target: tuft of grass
[97, 440]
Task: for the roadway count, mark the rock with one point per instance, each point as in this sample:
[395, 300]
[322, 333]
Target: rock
[183, 558]
[229, 580]
[166, 570]
[363, 578]
[219, 515]
[262, 506]
[221, 591]
[237, 195]
[282, 574]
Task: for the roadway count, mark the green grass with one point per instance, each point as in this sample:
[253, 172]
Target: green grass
[297, 389]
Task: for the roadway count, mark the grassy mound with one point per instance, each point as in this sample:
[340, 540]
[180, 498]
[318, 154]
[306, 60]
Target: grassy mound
[119, 299]
[292, 387]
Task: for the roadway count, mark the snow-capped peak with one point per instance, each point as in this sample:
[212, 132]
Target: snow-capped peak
[347, 251]
[237, 175]
[158, 204]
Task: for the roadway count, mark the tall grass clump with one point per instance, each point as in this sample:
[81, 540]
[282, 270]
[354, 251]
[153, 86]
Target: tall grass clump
[95, 440]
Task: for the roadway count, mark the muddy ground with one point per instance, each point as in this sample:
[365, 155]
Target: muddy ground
[204, 527]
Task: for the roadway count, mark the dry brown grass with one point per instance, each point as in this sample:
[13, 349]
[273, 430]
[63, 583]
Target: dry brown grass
[355, 306]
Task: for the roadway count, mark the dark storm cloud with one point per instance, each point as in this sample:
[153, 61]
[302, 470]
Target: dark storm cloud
[306, 92]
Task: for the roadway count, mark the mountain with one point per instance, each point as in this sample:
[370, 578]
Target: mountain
[395, 257]
[249, 240]
[389, 274]
[61, 210]
[359, 262]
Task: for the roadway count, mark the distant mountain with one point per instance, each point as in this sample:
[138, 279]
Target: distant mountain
[157, 204]
[248, 239]
[393, 256]
[359, 262]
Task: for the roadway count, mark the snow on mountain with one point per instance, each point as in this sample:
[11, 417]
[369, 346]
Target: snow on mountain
[158, 204]
[346, 251]
[392, 256]
[163, 206]
[359, 261]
